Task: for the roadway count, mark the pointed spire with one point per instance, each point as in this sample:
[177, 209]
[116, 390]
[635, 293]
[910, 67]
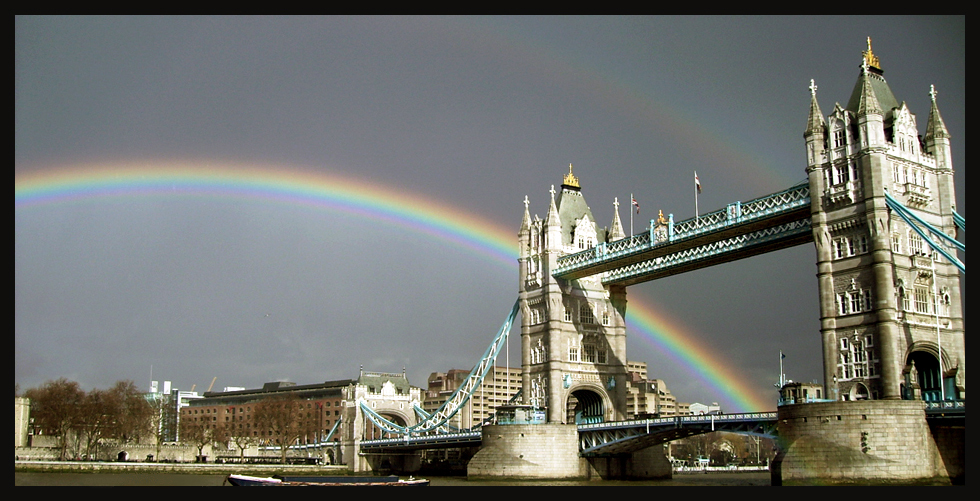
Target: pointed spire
[552, 226]
[867, 102]
[616, 232]
[935, 128]
[815, 122]
[552, 217]
[526, 222]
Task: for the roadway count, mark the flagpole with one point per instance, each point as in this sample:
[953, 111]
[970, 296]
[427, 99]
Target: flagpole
[697, 218]
[632, 203]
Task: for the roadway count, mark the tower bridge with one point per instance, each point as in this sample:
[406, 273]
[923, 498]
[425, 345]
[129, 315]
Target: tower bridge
[879, 206]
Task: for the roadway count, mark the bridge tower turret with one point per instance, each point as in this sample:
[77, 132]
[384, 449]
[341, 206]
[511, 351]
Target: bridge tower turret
[573, 332]
[891, 317]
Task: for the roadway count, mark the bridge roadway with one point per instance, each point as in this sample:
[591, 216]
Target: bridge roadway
[765, 224]
[615, 437]
[603, 438]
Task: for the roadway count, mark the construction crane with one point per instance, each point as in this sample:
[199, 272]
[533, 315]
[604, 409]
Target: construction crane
[212, 383]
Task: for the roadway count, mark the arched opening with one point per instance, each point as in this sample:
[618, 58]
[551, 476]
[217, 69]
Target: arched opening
[373, 432]
[922, 378]
[584, 407]
[859, 392]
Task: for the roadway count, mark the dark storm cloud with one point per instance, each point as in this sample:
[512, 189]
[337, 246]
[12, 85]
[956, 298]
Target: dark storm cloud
[474, 112]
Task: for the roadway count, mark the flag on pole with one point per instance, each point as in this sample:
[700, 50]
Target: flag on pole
[697, 182]
[637, 205]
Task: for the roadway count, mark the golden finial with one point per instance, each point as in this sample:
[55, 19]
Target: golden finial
[570, 179]
[660, 218]
[870, 58]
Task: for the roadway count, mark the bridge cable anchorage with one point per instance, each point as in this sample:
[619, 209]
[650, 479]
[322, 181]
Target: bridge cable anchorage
[437, 421]
[908, 216]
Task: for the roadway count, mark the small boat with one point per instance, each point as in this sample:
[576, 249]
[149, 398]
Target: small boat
[349, 481]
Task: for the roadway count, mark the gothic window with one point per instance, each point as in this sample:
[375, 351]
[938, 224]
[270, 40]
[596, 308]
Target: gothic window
[568, 315]
[855, 298]
[921, 299]
[850, 246]
[605, 318]
[840, 137]
[573, 354]
[915, 244]
[853, 359]
[841, 173]
[585, 314]
[903, 293]
[896, 243]
[588, 353]
[854, 301]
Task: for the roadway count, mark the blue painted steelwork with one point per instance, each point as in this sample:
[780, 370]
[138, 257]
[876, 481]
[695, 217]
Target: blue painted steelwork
[437, 421]
[909, 216]
[629, 436]
[739, 230]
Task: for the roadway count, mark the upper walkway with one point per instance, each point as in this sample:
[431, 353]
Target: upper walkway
[740, 230]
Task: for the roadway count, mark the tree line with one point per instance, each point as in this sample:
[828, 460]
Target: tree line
[82, 422]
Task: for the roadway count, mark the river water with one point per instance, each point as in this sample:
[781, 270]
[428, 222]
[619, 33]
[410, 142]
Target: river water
[201, 480]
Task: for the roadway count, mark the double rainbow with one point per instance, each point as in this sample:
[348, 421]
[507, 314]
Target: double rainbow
[332, 192]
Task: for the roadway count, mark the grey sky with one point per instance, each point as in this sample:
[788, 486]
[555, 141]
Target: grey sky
[474, 112]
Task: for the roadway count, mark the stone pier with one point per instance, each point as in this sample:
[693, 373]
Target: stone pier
[856, 442]
[550, 451]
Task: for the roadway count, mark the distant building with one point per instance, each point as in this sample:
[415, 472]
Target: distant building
[170, 402]
[235, 409]
[649, 397]
[22, 416]
[498, 387]
[697, 409]
[798, 393]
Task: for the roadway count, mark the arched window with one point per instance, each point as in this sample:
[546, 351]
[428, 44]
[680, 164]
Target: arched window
[585, 314]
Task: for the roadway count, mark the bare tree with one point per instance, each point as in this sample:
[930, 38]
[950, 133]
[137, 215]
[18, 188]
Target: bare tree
[96, 418]
[240, 438]
[197, 431]
[54, 407]
[279, 415]
[133, 412]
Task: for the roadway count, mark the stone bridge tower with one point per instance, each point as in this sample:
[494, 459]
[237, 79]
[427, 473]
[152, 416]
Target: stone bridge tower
[890, 309]
[573, 332]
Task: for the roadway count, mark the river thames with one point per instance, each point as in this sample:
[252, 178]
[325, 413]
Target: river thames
[206, 480]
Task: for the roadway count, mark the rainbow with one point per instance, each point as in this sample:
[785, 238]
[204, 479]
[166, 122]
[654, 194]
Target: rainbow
[322, 190]
[708, 367]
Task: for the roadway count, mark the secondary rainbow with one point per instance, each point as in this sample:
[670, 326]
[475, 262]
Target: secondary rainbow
[322, 190]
